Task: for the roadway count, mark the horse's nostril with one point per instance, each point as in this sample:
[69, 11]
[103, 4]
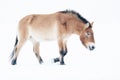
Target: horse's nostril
[93, 47]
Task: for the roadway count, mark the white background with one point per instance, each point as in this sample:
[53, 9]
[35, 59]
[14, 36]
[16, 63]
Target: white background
[101, 64]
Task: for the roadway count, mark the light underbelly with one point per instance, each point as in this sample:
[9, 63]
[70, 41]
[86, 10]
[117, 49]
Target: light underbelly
[47, 37]
[44, 35]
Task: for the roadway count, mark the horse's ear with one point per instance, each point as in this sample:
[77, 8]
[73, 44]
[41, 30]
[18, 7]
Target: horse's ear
[86, 25]
[91, 23]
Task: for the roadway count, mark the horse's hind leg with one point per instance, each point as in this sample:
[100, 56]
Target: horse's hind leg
[20, 40]
[36, 49]
[17, 47]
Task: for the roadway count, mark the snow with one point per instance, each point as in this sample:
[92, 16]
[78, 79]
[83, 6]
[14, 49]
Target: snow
[81, 64]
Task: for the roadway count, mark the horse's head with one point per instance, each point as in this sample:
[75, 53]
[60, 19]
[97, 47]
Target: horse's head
[87, 36]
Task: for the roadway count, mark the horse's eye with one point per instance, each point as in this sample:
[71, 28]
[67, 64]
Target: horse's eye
[88, 33]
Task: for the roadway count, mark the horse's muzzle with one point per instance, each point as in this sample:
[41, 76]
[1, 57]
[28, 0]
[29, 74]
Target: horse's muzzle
[91, 46]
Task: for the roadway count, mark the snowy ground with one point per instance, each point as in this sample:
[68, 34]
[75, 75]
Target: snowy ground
[101, 64]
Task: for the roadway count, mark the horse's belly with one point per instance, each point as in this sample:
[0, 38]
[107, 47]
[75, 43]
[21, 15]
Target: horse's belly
[45, 35]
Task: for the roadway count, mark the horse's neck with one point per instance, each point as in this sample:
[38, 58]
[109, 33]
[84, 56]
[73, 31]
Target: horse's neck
[76, 27]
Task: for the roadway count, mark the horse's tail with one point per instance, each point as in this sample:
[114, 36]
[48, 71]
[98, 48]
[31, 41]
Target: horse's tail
[16, 42]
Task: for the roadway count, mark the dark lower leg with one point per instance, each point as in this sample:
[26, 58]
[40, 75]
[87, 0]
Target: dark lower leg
[36, 50]
[62, 61]
[56, 60]
[62, 50]
[16, 51]
[14, 57]
[39, 58]
[62, 53]
[40, 61]
[14, 61]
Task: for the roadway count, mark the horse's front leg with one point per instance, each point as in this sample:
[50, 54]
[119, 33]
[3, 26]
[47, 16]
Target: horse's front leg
[62, 51]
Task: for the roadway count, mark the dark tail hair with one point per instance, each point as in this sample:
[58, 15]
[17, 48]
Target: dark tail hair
[16, 41]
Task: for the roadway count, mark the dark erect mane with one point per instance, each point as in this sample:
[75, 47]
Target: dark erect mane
[76, 14]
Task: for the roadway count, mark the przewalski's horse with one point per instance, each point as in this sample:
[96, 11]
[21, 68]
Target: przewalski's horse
[57, 26]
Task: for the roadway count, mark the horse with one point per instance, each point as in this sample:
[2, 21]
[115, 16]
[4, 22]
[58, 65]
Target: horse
[57, 26]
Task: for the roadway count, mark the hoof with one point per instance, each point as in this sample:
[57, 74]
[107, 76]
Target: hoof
[40, 61]
[62, 63]
[13, 62]
[56, 60]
